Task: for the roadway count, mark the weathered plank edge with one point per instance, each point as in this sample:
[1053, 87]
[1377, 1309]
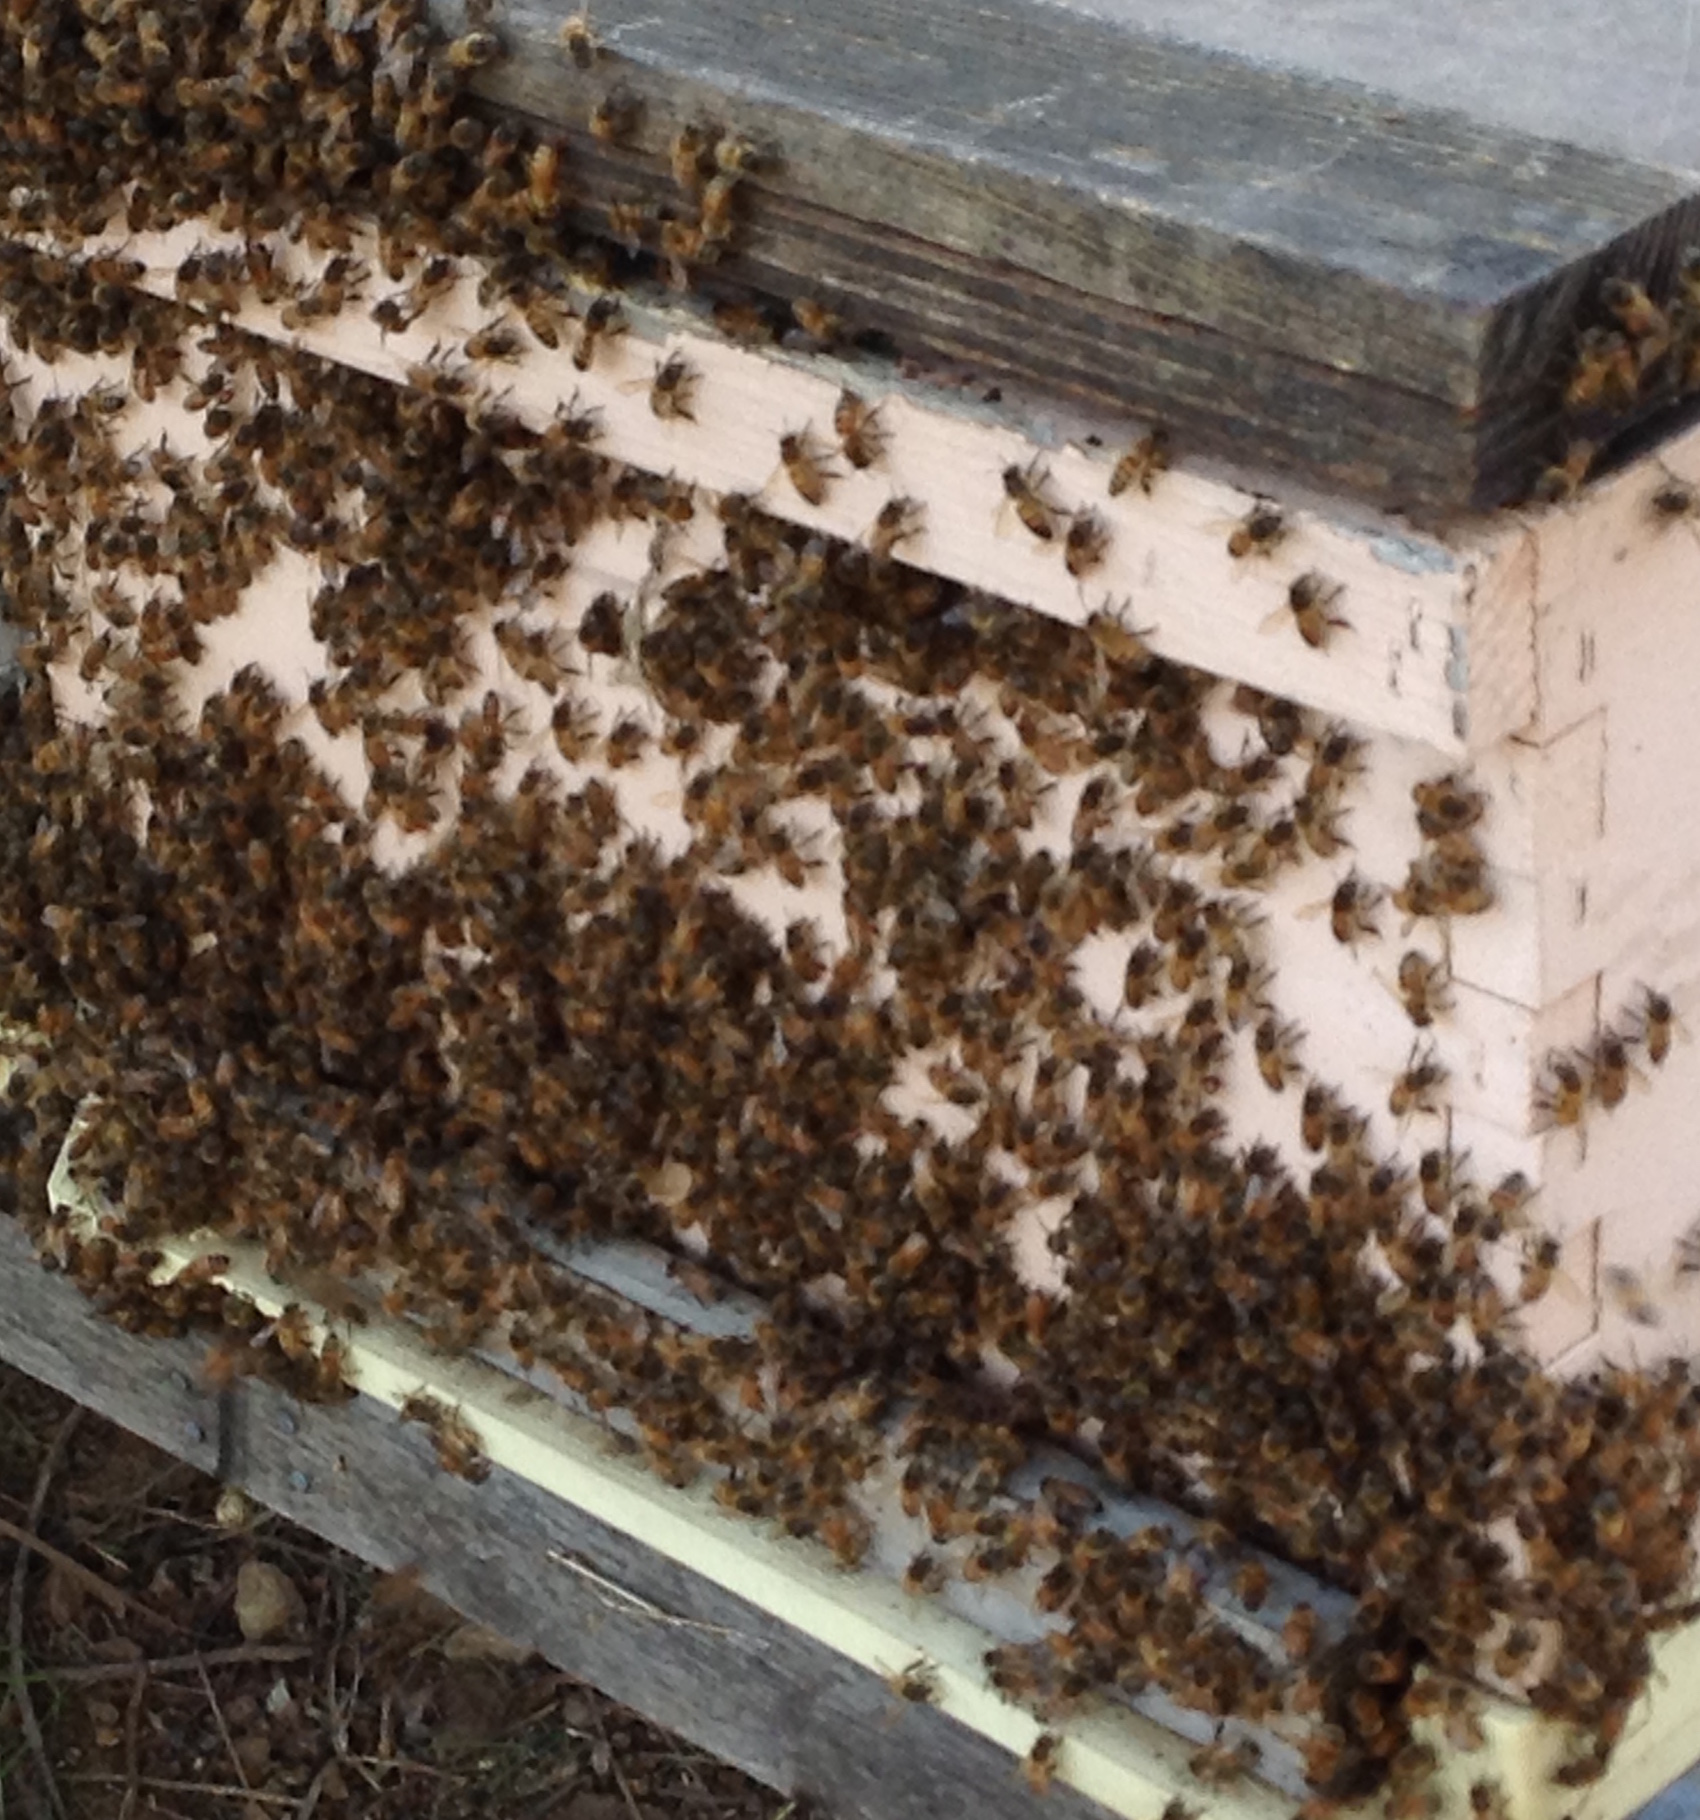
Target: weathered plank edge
[686, 1654]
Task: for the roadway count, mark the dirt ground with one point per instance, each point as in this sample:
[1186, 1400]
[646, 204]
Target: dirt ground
[172, 1650]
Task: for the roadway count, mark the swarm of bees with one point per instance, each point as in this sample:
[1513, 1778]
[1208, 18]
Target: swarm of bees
[550, 1026]
[1638, 352]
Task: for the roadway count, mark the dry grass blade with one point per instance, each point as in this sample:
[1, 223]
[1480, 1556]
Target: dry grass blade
[108, 1594]
[15, 1624]
[83, 1673]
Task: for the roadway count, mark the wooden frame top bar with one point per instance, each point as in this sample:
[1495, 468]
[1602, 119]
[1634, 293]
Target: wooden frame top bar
[1293, 270]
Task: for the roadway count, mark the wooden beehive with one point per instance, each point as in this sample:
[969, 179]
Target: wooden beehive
[1242, 752]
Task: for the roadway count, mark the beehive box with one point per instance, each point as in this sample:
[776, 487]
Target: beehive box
[911, 944]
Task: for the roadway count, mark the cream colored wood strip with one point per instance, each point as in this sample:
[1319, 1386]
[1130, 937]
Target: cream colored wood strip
[1400, 663]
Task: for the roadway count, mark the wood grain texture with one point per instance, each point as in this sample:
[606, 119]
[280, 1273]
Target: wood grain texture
[1234, 240]
[787, 1710]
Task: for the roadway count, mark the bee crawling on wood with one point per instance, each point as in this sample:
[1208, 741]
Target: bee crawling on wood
[673, 388]
[856, 423]
[1040, 1763]
[1423, 987]
[1563, 480]
[459, 1449]
[614, 119]
[1309, 599]
[1023, 487]
[1085, 545]
[804, 467]
[1259, 533]
[1140, 465]
[1418, 1089]
[898, 518]
[602, 321]
[918, 1683]
[579, 40]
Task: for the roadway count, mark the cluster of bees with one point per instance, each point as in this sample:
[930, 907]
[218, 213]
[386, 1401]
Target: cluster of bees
[1640, 352]
[1599, 1075]
[553, 1026]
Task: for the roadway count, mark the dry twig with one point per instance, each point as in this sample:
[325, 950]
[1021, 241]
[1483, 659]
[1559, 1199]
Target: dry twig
[15, 1621]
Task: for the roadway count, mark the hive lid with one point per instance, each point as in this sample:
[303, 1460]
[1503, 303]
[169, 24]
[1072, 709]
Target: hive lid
[1264, 225]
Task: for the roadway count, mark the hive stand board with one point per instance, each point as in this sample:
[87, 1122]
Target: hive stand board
[681, 1650]
[1347, 283]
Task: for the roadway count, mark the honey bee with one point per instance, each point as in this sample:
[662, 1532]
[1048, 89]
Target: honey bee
[1673, 499]
[816, 321]
[1423, 987]
[1540, 1265]
[1299, 1632]
[918, 1683]
[672, 389]
[1218, 1765]
[601, 322]
[1563, 479]
[543, 178]
[626, 742]
[1630, 1295]
[1488, 1802]
[804, 468]
[1023, 488]
[688, 153]
[459, 1449]
[1085, 544]
[1605, 371]
[1039, 1766]
[925, 1574]
[1608, 1071]
[1276, 1047]
[603, 628]
[1351, 910]
[1140, 465]
[1250, 1585]
[496, 341]
[897, 519]
[715, 208]
[1688, 1251]
[1259, 533]
[1640, 318]
[532, 655]
[747, 323]
[393, 314]
[1309, 598]
[1317, 1109]
[1446, 805]
[615, 118]
[545, 319]
[1417, 1090]
[857, 427]
[473, 51]
[1561, 1099]
[579, 41]
[1657, 1021]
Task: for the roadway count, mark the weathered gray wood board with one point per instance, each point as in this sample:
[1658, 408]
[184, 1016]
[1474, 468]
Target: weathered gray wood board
[1625, 81]
[1291, 269]
[677, 1649]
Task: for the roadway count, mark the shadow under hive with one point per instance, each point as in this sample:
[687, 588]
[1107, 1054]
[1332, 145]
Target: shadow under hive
[450, 848]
